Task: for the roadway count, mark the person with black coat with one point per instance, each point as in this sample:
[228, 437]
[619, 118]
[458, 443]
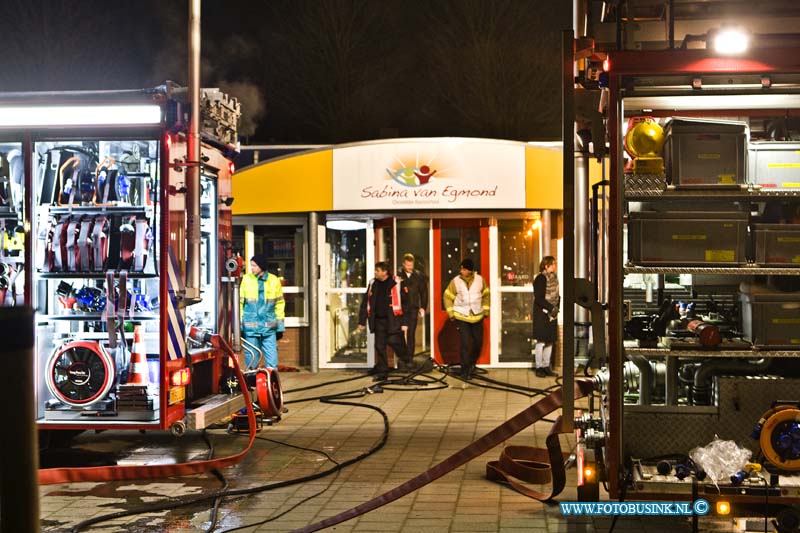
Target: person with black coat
[385, 309]
[415, 285]
[546, 301]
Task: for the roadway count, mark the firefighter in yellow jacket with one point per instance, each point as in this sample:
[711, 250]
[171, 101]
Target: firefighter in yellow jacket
[262, 309]
[466, 300]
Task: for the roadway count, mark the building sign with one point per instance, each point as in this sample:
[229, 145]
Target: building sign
[430, 174]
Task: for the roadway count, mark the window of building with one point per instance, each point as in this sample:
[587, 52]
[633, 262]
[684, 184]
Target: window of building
[284, 246]
[519, 253]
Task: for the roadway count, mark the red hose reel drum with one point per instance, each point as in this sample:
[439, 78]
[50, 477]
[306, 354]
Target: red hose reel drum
[80, 373]
[269, 392]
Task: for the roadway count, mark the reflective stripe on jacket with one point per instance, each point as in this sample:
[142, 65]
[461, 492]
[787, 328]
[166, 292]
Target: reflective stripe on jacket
[467, 299]
[261, 304]
[397, 307]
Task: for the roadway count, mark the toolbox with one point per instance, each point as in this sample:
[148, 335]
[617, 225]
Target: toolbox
[687, 238]
[774, 165]
[770, 318]
[777, 244]
[706, 153]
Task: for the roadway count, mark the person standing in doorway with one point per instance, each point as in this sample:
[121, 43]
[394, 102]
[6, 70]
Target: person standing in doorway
[385, 309]
[261, 305]
[546, 301]
[466, 300]
[415, 286]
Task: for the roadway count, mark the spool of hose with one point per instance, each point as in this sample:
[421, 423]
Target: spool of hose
[80, 373]
[780, 438]
[269, 392]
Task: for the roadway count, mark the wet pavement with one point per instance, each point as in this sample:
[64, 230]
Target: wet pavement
[428, 422]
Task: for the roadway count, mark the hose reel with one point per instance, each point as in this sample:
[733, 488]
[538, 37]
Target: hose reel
[778, 434]
[80, 373]
[269, 392]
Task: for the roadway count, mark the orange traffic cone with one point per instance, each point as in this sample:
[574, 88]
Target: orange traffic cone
[138, 371]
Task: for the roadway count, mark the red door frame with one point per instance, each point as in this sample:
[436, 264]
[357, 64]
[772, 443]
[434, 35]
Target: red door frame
[439, 314]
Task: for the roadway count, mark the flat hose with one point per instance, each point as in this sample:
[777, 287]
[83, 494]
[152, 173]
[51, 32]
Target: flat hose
[506, 430]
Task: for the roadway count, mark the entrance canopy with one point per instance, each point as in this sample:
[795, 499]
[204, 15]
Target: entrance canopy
[447, 173]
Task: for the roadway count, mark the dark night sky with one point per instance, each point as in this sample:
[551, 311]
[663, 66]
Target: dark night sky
[313, 71]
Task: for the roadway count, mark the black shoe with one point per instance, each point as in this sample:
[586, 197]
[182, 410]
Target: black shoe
[406, 366]
[375, 370]
[380, 377]
[548, 372]
[540, 373]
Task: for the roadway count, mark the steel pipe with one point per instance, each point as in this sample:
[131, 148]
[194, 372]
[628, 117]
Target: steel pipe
[193, 158]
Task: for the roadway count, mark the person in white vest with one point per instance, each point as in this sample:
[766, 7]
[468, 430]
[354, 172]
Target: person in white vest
[466, 300]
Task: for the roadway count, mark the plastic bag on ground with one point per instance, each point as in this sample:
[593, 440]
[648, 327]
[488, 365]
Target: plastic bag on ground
[721, 458]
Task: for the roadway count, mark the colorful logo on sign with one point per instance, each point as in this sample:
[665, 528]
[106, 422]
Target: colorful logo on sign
[412, 176]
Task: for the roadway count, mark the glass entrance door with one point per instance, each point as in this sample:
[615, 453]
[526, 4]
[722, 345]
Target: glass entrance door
[413, 236]
[454, 240]
[347, 264]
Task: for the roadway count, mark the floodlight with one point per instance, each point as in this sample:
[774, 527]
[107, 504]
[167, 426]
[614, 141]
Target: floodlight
[730, 41]
[83, 115]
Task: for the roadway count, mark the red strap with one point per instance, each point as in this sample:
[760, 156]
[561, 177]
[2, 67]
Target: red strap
[112, 473]
[397, 309]
[100, 243]
[127, 243]
[84, 237]
[49, 255]
[73, 253]
[110, 313]
[507, 429]
[59, 244]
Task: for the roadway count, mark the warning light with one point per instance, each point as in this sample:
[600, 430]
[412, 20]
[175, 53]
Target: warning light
[180, 378]
[231, 167]
[606, 65]
[723, 508]
[588, 473]
[169, 140]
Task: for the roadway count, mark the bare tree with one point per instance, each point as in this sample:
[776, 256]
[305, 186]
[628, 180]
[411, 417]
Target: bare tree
[63, 44]
[329, 66]
[495, 65]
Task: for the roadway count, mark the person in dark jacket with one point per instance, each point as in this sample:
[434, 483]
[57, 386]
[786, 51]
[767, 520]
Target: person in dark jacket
[415, 286]
[385, 309]
[546, 301]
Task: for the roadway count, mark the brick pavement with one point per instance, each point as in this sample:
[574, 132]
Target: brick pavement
[426, 426]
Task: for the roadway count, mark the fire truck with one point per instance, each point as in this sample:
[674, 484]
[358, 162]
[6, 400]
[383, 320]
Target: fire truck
[699, 286]
[115, 228]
